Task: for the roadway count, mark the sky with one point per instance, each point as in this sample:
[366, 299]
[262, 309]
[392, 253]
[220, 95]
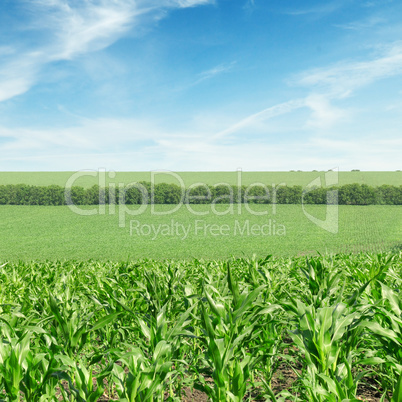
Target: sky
[200, 85]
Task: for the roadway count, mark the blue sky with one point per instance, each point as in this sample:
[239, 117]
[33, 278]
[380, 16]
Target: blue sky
[182, 85]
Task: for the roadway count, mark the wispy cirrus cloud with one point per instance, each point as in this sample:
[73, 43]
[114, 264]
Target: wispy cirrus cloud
[16, 78]
[221, 68]
[190, 3]
[361, 25]
[6, 50]
[323, 114]
[320, 126]
[249, 6]
[88, 135]
[213, 72]
[85, 146]
[263, 115]
[65, 29]
[374, 3]
[206, 75]
[88, 27]
[324, 86]
[344, 78]
[321, 10]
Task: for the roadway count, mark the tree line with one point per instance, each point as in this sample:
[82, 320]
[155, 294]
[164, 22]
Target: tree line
[163, 193]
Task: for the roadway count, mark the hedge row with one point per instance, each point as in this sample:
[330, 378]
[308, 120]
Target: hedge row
[143, 192]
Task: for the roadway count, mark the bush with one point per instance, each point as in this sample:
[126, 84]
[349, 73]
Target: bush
[163, 193]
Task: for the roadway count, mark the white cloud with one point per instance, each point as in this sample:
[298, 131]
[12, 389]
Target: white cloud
[13, 86]
[250, 6]
[362, 24]
[320, 10]
[374, 3]
[263, 115]
[88, 136]
[7, 50]
[342, 79]
[138, 145]
[191, 3]
[90, 27]
[18, 75]
[213, 72]
[221, 68]
[367, 153]
[69, 29]
[324, 85]
[76, 27]
[324, 115]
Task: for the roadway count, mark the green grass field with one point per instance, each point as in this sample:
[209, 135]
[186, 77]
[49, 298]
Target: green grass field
[161, 290]
[288, 178]
[39, 233]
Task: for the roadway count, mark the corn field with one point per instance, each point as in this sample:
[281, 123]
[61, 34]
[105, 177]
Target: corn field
[229, 330]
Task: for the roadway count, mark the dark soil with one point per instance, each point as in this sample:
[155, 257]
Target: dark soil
[283, 379]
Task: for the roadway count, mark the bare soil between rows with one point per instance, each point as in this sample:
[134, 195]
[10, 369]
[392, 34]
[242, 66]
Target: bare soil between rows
[283, 379]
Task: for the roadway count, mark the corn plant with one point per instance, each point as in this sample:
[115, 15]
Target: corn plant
[145, 330]
[386, 324]
[13, 352]
[369, 271]
[270, 343]
[73, 329]
[81, 384]
[227, 338]
[320, 336]
[146, 377]
[43, 373]
[322, 281]
[35, 373]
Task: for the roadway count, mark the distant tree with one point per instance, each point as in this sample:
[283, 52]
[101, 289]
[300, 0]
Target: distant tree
[315, 196]
[167, 194]
[3, 195]
[163, 193]
[258, 194]
[201, 194]
[55, 195]
[223, 194]
[357, 194]
[289, 195]
[92, 195]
